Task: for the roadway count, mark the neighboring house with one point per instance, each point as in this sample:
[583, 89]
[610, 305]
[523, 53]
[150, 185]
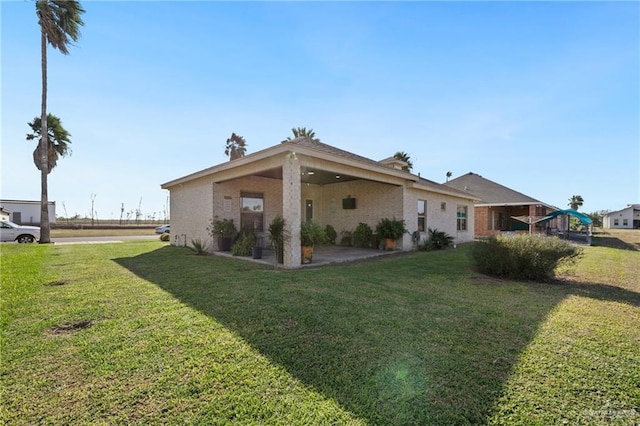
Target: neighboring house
[499, 207]
[5, 215]
[27, 212]
[303, 180]
[627, 218]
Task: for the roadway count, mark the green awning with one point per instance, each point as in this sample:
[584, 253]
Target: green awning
[570, 212]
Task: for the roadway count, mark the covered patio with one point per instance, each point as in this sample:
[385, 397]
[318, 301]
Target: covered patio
[322, 255]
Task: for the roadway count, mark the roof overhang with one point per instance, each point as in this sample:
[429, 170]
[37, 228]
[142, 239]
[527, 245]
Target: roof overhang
[516, 204]
[271, 157]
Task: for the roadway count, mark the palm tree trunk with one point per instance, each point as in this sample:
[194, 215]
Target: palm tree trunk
[45, 234]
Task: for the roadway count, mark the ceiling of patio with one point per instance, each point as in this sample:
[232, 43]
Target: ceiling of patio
[311, 176]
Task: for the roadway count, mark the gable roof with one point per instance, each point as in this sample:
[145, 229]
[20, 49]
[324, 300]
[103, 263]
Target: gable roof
[629, 206]
[321, 146]
[491, 193]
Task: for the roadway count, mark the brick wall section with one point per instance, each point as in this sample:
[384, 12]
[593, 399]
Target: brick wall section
[191, 211]
[482, 222]
[436, 217]
[373, 202]
[270, 188]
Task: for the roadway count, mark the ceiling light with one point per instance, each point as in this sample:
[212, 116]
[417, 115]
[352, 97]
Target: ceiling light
[311, 172]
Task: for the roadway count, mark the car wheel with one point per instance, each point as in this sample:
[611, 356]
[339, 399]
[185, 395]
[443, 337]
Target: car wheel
[22, 239]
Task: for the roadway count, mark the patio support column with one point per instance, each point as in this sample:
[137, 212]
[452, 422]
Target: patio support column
[291, 210]
[532, 214]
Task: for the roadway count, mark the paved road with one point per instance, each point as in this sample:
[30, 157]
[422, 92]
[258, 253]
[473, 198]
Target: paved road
[98, 240]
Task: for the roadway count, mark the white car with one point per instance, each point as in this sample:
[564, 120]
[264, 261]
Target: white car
[10, 231]
[162, 229]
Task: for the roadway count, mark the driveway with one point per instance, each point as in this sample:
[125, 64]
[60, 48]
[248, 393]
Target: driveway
[98, 240]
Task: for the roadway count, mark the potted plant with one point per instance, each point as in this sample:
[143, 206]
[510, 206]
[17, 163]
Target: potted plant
[225, 230]
[310, 234]
[277, 237]
[390, 230]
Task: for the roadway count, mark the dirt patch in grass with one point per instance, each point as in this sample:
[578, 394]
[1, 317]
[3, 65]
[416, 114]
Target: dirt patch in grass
[57, 283]
[68, 327]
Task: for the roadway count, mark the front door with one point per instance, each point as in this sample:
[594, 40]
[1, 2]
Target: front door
[308, 210]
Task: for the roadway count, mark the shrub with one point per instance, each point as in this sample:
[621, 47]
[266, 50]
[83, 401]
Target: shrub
[199, 247]
[165, 236]
[362, 236]
[437, 240]
[523, 257]
[244, 245]
[330, 234]
[346, 238]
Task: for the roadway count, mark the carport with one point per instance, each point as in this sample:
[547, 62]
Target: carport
[565, 232]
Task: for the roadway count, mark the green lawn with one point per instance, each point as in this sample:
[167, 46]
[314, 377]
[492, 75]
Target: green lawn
[145, 333]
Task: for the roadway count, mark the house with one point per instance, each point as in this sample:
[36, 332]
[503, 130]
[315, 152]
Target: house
[305, 180]
[25, 212]
[503, 209]
[627, 218]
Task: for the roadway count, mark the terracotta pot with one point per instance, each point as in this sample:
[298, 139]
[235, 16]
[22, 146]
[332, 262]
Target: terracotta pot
[307, 254]
[389, 244]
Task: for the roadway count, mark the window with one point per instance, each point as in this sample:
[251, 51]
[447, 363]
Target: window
[443, 206]
[422, 215]
[251, 212]
[461, 217]
[625, 222]
[616, 222]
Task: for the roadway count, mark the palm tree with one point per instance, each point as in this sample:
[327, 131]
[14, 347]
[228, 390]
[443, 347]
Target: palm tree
[575, 202]
[60, 23]
[302, 132]
[449, 174]
[403, 156]
[57, 139]
[236, 147]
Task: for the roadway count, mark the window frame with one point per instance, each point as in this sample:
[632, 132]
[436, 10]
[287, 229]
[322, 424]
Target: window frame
[422, 217]
[461, 219]
[248, 216]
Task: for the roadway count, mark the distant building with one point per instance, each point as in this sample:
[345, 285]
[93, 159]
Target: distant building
[627, 218]
[24, 212]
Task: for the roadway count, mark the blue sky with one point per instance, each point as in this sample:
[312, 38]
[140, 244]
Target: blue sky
[542, 97]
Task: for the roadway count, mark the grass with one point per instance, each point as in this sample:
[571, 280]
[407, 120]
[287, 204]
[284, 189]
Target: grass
[145, 333]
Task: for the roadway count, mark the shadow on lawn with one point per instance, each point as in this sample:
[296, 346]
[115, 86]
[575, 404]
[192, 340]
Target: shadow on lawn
[406, 340]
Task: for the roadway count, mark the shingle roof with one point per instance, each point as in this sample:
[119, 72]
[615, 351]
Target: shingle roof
[488, 191]
[346, 154]
[331, 150]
